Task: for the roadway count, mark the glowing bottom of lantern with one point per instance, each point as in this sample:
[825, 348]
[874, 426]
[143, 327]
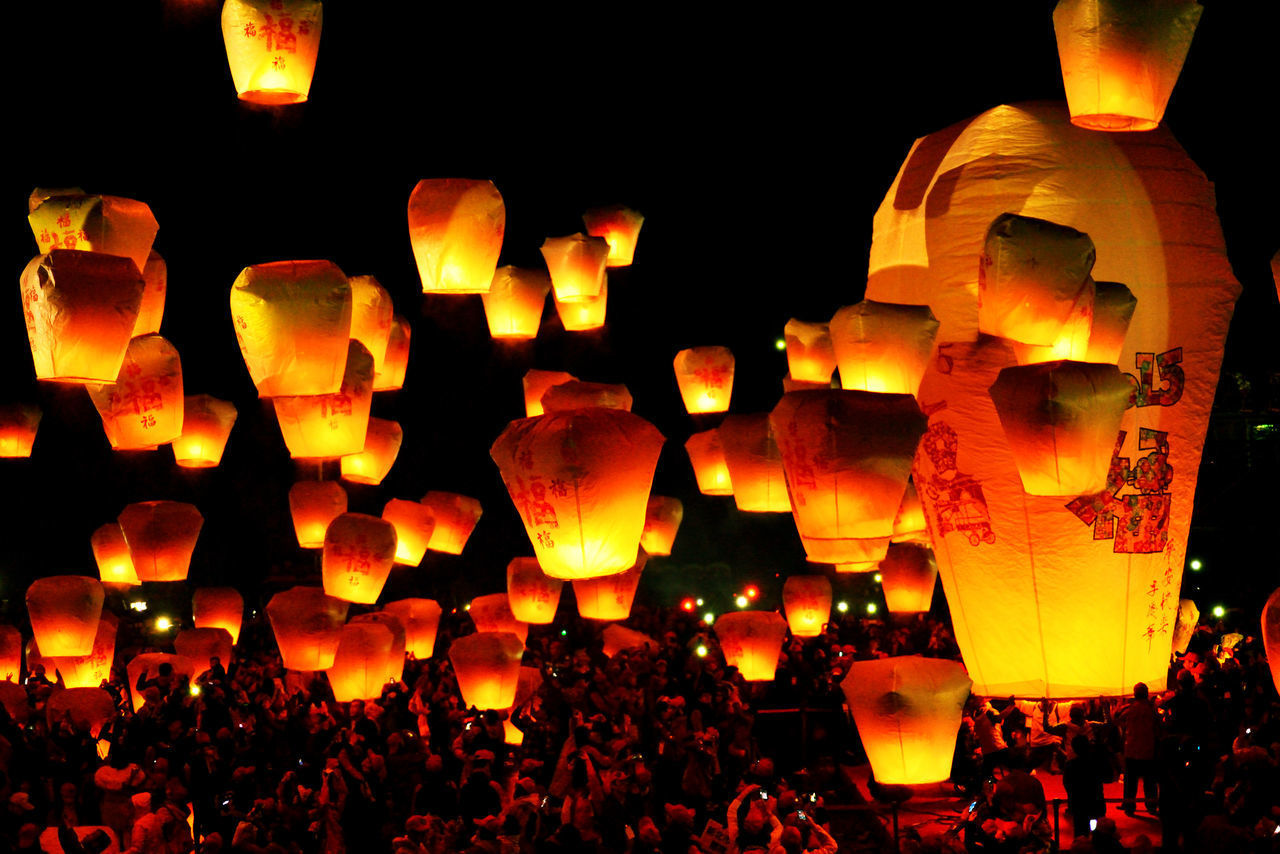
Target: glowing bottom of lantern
[1113, 122]
[845, 550]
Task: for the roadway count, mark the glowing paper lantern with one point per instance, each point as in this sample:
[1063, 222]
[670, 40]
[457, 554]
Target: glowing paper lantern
[421, 619]
[313, 505]
[414, 524]
[271, 48]
[161, 536]
[755, 464]
[148, 664]
[609, 597]
[705, 378]
[807, 601]
[10, 654]
[1185, 627]
[64, 611]
[662, 518]
[1113, 308]
[456, 517]
[293, 322]
[372, 315]
[88, 709]
[1072, 342]
[576, 263]
[455, 227]
[536, 383]
[394, 661]
[206, 426]
[218, 608]
[359, 667]
[395, 364]
[143, 407]
[330, 425]
[80, 309]
[111, 553]
[752, 641]
[14, 698]
[706, 453]
[618, 638]
[307, 624]
[882, 346]
[907, 710]
[382, 442]
[487, 667]
[358, 553]
[620, 228]
[18, 425]
[91, 223]
[199, 646]
[811, 356]
[907, 575]
[566, 396]
[909, 526]
[580, 481]
[584, 315]
[492, 613]
[1271, 635]
[514, 302]
[155, 284]
[532, 596]
[83, 671]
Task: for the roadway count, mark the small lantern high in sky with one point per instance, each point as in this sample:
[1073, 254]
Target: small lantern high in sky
[143, 408]
[752, 641]
[161, 536]
[662, 520]
[330, 425]
[272, 47]
[414, 524]
[358, 553]
[705, 378]
[883, 347]
[620, 227]
[532, 595]
[307, 624]
[811, 358]
[382, 440]
[18, 425]
[206, 426]
[576, 263]
[706, 454]
[514, 302]
[456, 517]
[455, 228]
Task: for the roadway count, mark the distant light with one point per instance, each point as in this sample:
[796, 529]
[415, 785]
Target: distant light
[687, 604]
[708, 618]
[1196, 565]
[564, 633]
[1219, 611]
[163, 624]
[466, 607]
[138, 605]
[752, 592]
[699, 601]
[878, 577]
[842, 607]
[195, 690]
[780, 344]
[742, 601]
[871, 607]
[701, 650]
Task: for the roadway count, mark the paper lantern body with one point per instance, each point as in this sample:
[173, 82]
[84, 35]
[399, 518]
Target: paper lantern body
[360, 662]
[18, 425]
[620, 228]
[148, 663]
[206, 426]
[313, 505]
[455, 227]
[811, 356]
[293, 322]
[80, 309]
[358, 553]
[583, 315]
[414, 524]
[752, 641]
[91, 223]
[1271, 635]
[706, 453]
[755, 464]
[49, 839]
[662, 518]
[576, 263]
[1185, 627]
[907, 576]
[456, 517]
[272, 47]
[580, 481]
[536, 383]
[199, 646]
[330, 425]
[1113, 308]
[492, 613]
[909, 525]
[609, 597]
[306, 623]
[218, 608]
[143, 407]
[88, 709]
[161, 536]
[14, 698]
[382, 442]
[394, 661]
[883, 347]
[705, 378]
[155, 284]
[807, 601]
[487, 667]
[421, 619]
[907, 710]
[372, 315]
[84, 671]
[618, 638]
[10, 654]
[531, 594]
[513, 305]
[111, 553]
[64, 611]
[396, 363]
[573, 394]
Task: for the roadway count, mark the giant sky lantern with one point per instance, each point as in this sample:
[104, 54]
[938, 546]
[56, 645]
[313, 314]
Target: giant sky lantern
[313, 504]
[272, 47]
[514, 302]
[456, 517]
[584, 315]
[609, 597]
[907, 576]
[535, 383]
[330, 425]
[576, 263]
[414, 524]
[421, 619]
[93, 223]
[200, 646]
[1060, 596]
[390, 377]
[807, 601]
[359, 669]
[307, 624]
[492, 613]
[10, 654]
[18, 425]
[206, 426]
[755, 464]
[64, 611]
[1271, 635]
[84, 671]
[620, 228]
[147, 664]
[907, 710]
[574, 394]
[382, 442]
[358, 553]
[155, 284]
[706, 453]
[455, 228]
[143, 408]
[161, 536]
[752, 641]
[111, 553]
[487, 667]
[811, 357]
[883, 347]
[580, 481]
[662, 518]
[218, 608]
[532, 595]
[372, 317]
[1120, 59]
[87, 708]
[705, 378]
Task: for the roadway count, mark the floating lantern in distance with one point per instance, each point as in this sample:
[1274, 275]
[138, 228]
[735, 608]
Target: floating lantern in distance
[394, 366]
[1185, 625]
[358, 553]
[414, 524]
[618, 638]
[1271, 635]
[909, 525]
[807, 601]
[907, 575]
[585, 314]
[706, 453]
[399, 638]
[536, 383]
[609, 597]
[111, 553]
[576, 263]
[752, 641]
[206, 426]
[705, 378]
[531, 594]
[80, 308]
[372, 314]
[200, 646]
[620, 228]
[155, 284]
[359, 669]
[143, 407]
[382, 441]
[580, 481]
[161, 536]
[10, 654]
[492, 613]
[882, 346]
[456, 517]
[421, 619]
[330, 425]
[18, 425]
[83, 671]
[148, 664]
[907, 710]
[513, 305]
[1113, 307]
[662, 518]
[64, 611]
[455, 228]
[306, 623]
[566, 396]
[89, 709]
[487, 667]
[218, 608]
[92, 223]
[271, 48]
[810, 355]
[313, 505]
[755, 464]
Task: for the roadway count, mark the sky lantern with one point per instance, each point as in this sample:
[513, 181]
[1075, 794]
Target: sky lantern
[206, 426]
[662, 518]
[847, 456]
[705, 378]
[64, 611]
[89, 709]
[83, 671]
[909, 525]
[358, 553]
[584, 315]
[752, 641]
[1113, 308]
[10, 654]
[576, 263]
[455, 228]
[456, 517]
[399, 641]
[536, 382]
[110, 225]
[617, 638]
[527, 684]
[532, 595]
[330, 425]
[811, 356]
[609, 597]
[1120, 60]
[513, 305]
[620, 228]
[1072, 342]
[390, 377]
[292, 320]
[148, 664]
[271, 48]
[155, 284]
[13, 697]
[161, 536]
[807, 601]
[80, 308]
[421, 619]
[492, 613]
[580, 481]
[574, 394]
[907, 710]
[487, 667]
[1185, 626]
[706, 453]
[18, 425]
[883, 347]
[1060, 596]
[143, 408]
[111, 553]
[200, 645]
[218, 608]
[49, 838]
[414, 524]
[313, 505]
[359, 669]
[306, 623]
[755, 464]
[382, 442]
[907, 575]
[372, 314]
[1271, 635]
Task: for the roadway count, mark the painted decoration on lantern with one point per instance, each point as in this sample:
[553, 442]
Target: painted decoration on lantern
[64, 611]
[1185, 625]
[111, 553]
[807, 602]
[618, 639]
[271, 48]
[414, 523]
[307, 624]
[18, 425]
[161, 536]
[620, 228]
[87, 709]
[532, 595]
[147, 665]
[752, 642]
[705, 378]
[359, 669]
[358, 553]
[456, 517]
[706, 453]
[155, 285]
[883, 347]
[487, 667]
[584, 315]
[609, 597]
[1113, 308]
[492, 613]
[206, 426]
[313, 504]
[421, 619]
[455, 228]
[382, 440]
[93, 223]
[10, 654]
[576, 263]
[754, 463]
[811, 356]
[143, 407]
[82, 671]
[330, 425]
[201, 646]
[573, 394]
[662, 518]
[390, 377]
[907, 576]
[514, 302]
[536, 383]
[1271, 635]
[218, 608]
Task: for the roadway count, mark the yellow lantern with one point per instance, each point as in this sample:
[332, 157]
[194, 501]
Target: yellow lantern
[414, 524]
[705, 378]
[1072, 342]
[492, 613]
[909, 526]
[811, 357]
[580, 481]
[80, 308]
[330, 425]
[83, 671]
[143, 407]
[532, 595]
[218, 608]
[487, 667]
[617, 638]
[456, 517]
[399, 641]
[206, 426]
[200, 646]
[752, 641]
[394, 366]
[883, 347]
[754, 463]
[18, 425]
[382, 442]
[155, 284]
[271, 48]
[307, 624]
[662, 518]
[1185, 627]
[907, 710]
[576, 263]
[161, 536]
[1113, 308]
[514, 302]
[620, 228]
[609, 597]
[111, 553]
[807, 600]
[706, 453]
[313, 505]
[293, 322]
[566, 396]
[583, 315]
[527, 684]
[94, 223]
[536, 383]
[359, 669]
[372, 315]
[148, 664]
[358, 553]
[421, 619]
[64, 611]
[1271, 635]
[10, 654]
[88, 709]
[455, 228]
[907, 575]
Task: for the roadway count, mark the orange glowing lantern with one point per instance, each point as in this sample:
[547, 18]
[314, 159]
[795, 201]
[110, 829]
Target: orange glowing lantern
[662, 518]
[313, 505]
[147, 665]
[1271, 635]
[609, 597]
[706, 453]
[1185, 627]
[143, 407]
[80, 308]
[883, 347]
[580, 481]
[414, 524]
[201, 646]
[585, 314]
[358, 553]
[456, 227]
[359, 669]
[752, 641]
[532, 596]
[218, 608]
[382, 442]
[206, 426]
[1072, 342]
[330, 425]
[18, 425]
[811, 357]
[907, 710]
[155, 284]
[396, 363]
[271, 48]
[1113, 308]
[754, 463]
[307, 624]
[84, 671]
[111, 553]
[456, 517]
[292, 320]
[487, 667]
[161, 536]
[536, 383]
[807, 601]
[527, 684]
[13, 697]
[909, 526]
[88, 709]
[10, 654]
[576, 263]
[705, 378]
[620, 228]
[110, 225]
[513, 305]
[618, 638]
[421, 619]
[64, 612]
[907, 575]
[372, 315]
[563, 397]
[399, 641]
[492, 613]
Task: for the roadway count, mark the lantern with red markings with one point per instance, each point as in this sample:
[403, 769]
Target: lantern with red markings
[271, 48]
[620, 228]
[807, 600]
[456, 517]
[330, 425]
[143, 408]
[358, 553]
[532, 595]
[609, 597]
[705, 378]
